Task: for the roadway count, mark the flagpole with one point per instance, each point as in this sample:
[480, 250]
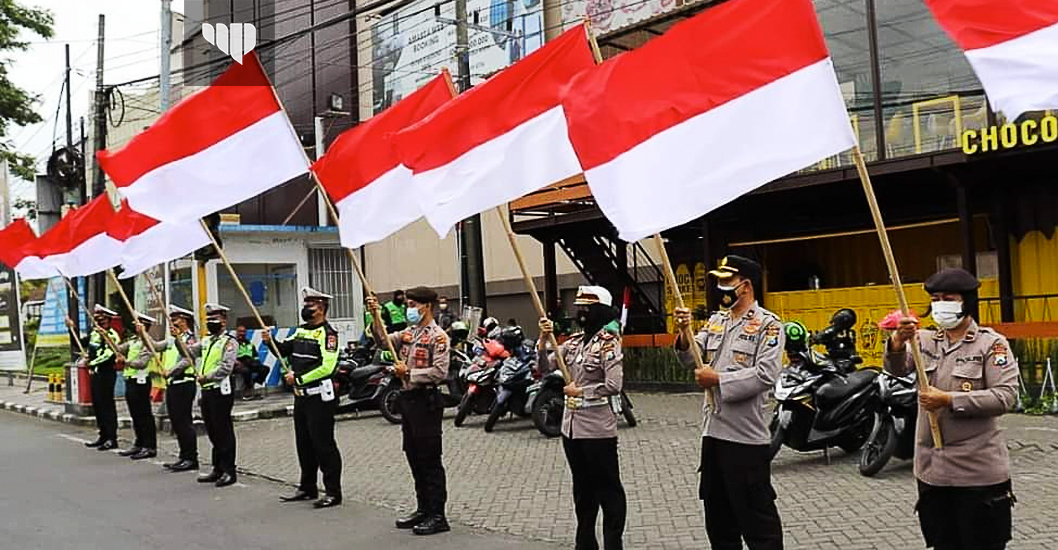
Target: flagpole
[894, 275]
[132, 312]
[103, 333]
[181, 348]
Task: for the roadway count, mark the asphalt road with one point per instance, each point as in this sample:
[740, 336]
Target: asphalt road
[55, 493]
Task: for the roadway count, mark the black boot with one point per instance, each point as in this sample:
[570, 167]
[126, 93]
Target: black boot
[107, 445]
[211, 477]
[409, 522]
[184, 465]
[226, 479]
[327, 502]
[130, 451]
[433, 525]
[144, 453]
[99, 441]
[299, 496]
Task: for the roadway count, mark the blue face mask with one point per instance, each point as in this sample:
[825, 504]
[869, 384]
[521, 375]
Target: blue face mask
[414, 315]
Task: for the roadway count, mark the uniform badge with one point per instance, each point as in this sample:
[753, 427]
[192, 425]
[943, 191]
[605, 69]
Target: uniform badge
[442, 343]
[999, 354]
[740, 357]
[967, 386]
[772, 335]
[716, 328]
[752, 327]
[332, 342]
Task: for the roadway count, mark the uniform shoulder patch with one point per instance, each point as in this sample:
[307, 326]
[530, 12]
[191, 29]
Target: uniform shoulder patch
[441, 343]
[771, 335]
[332, 341]
[607, 336]
[1000, 354]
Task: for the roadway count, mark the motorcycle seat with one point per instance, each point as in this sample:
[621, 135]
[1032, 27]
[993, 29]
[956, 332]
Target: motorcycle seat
[361, 373]
[839, 388]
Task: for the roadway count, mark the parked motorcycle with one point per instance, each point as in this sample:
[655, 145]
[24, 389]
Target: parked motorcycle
[893, 430]
[823, 401]
[546, 401]
[372, 386]
[480, 379]
[515, 376]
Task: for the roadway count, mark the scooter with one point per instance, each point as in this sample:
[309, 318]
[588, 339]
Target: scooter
[893, 431]
[480, 379]
[373, 386]
[546, 402]
[823, 401]
[514, 377]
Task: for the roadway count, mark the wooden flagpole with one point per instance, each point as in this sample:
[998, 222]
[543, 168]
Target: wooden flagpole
[165, 304]
[103, 333]
[894, 275]
[132, 311]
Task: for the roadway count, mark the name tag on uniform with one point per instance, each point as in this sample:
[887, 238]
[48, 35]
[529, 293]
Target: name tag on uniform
[141, 376]
[326, 391]
[225, 386]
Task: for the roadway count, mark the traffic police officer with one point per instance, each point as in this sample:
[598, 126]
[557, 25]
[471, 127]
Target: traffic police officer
[313, 356]
[102, 364]
[589, 427]
[964, 491]
[138, 389]
[216, 359]
[178, 370]
[425, 346]
[743, 348]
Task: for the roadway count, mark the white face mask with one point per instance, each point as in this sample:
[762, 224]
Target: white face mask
[947, 315]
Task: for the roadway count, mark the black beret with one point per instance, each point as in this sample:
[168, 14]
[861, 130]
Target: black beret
[953, 279]
[422, 295]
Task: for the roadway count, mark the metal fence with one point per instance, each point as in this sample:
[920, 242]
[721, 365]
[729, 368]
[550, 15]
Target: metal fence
[330, 271]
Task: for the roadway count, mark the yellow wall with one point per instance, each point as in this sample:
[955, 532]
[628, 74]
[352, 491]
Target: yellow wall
[1034, 263]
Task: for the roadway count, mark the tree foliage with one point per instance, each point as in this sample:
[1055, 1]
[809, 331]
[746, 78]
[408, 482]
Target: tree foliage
[17, 22]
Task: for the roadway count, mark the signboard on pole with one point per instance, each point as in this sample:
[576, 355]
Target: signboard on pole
[53, 332]
[12, 356]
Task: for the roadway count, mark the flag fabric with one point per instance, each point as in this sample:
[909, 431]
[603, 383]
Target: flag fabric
[218, 147]
[149, 242]
[729, 100]
[15, 242]
[362, 173]
[79, 244]
[498, 141]
[1012, 46]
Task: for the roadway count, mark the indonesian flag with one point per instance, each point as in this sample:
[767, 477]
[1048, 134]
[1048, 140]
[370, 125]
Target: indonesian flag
[729, 100]
[1012, 46]
[218, 147]
[149, 242]
[361, 171]
[79, 244]
[499, 141]
[15, 242]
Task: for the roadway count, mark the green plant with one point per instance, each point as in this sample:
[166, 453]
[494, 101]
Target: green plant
[655, 366]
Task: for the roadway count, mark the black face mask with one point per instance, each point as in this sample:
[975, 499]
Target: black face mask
[214, 327]
[307, 313]
[592, 318]
[101, 321]
[728, 296]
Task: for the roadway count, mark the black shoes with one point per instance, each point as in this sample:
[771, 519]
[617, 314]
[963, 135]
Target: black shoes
[211, 477]
[96, 443]
[409, 522]
[226, 479]
[327, 502]
[144, 453]
[107, 445]
[183, 466]
[299, 496]
[131, 451]
[432, 525]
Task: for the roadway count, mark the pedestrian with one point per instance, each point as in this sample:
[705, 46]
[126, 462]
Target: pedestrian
[445, 316]
[964, 491]
[394, 313]
[589, 427]
[178, 371]
[138, 388]
[425, 346]
[102, 365]
[216, 360]
[742, 346]
[313, 355]
[248, 365]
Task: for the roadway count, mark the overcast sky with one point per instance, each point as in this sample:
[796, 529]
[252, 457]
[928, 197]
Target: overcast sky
[131, 51]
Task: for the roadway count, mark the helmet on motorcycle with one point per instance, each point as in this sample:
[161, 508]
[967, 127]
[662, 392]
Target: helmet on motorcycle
[489, 323]
[796, 336]
[459, 331]
[512, 338]
[843, 319]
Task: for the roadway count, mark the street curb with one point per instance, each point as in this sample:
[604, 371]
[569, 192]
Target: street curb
[58, 414]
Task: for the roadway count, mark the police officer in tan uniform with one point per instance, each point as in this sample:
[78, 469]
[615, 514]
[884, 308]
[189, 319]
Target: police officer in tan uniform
[589, 426]
[743, 349]
[964, 491]
[424, 358]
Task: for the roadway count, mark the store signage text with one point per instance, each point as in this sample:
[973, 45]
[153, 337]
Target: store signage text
[1010, 135]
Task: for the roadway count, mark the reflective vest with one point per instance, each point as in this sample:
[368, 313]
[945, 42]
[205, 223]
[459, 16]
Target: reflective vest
[396, 313]
[212, 355]
[246, 349]
[314, 353]
[99, 351]
[171, 356]
[135, 349]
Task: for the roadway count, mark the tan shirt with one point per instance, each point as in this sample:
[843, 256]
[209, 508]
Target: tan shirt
[981, 374]
[747, 353]
[596, 366]
[426, 356]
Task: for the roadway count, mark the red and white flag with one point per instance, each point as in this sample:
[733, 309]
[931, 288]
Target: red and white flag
[1012, 46]
[361, 171]
[729, 100]
[16, 241]
[216, 148]
[149, 242]
[499, 141]
[79, 244]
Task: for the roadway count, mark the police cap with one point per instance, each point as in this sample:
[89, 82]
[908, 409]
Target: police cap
[217, 309]
[422, 295]
[101, 310]
[737, 265]
[954, 279]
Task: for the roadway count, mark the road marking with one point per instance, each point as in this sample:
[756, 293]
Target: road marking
[73, 438]
[1041, 429]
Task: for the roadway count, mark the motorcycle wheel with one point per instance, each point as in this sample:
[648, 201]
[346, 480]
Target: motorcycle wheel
[856, 437]
[879, 447]
[626, 410]
[498, 410]
[388, 405]
[778, 435]
[464, 409]
[547, 412]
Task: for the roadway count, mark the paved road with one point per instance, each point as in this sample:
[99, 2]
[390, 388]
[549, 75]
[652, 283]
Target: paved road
[54, 493]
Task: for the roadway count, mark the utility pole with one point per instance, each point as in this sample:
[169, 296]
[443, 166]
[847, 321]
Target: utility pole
[69, 112]
[165, 73]
[98, 292]
[471, 251]
[71, 305]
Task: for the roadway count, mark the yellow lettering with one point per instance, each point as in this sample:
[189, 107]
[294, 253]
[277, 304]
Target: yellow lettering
[1008, 135]
[968, 146]
[1049, 129]
[1028, 132]
[989, 139]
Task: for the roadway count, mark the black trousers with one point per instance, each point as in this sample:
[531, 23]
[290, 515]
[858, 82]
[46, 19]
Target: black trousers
[106, 412]
[421, 430]
[738, 496]
[253, 372]
[216, 413]
[317, 449]
[180, 401]
[965, 518]
[596, 483]
[138, 397]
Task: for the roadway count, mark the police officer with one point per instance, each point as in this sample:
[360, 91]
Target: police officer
[964, 491]
[423, 350]
[742, 346]
[216, 359]
[138, 389]
[178, 370]
[589, 427]
[102, 365]
[313, 357]
[394, 313]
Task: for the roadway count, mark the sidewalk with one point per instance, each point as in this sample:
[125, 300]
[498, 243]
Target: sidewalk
[273, 405]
